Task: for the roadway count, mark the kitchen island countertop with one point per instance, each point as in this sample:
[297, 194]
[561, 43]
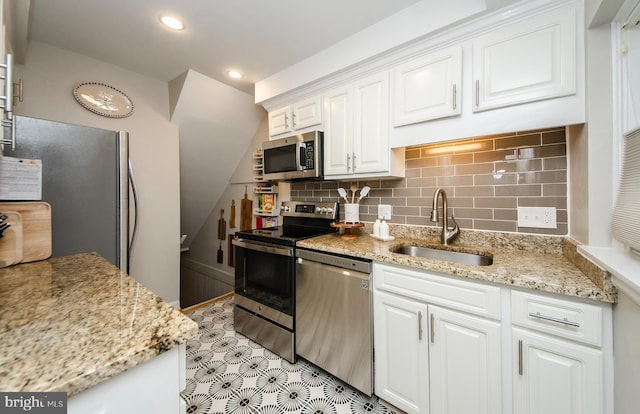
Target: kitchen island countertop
[69, 323]
[535, 263]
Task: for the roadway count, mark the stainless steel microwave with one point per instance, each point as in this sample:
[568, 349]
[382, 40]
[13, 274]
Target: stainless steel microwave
[294, 158]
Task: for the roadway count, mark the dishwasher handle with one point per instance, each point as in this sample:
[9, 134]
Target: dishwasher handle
[343, 262]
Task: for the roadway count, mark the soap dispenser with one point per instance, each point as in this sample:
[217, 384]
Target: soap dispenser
[384, 229]
[376, 227]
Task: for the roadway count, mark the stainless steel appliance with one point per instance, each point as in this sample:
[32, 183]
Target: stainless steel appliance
[265, 274]
[334, 316]
[85, 178]
[294, 158]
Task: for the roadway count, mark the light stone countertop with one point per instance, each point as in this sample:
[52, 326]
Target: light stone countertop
[532, 262]
[69, 323]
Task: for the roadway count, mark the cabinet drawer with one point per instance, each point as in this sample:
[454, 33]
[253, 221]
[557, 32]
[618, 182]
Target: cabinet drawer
[573, 320]
[475, 298]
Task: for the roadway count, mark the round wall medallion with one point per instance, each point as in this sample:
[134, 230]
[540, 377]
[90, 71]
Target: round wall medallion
[103, 100]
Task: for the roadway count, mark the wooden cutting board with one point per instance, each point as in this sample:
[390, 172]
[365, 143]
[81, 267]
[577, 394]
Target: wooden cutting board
[246, 212]
[11, 243]
[36, 228]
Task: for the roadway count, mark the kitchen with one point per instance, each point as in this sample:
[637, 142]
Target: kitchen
[52, 72]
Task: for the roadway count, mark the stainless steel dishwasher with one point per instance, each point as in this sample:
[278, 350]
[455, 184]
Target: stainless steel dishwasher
[334, 317]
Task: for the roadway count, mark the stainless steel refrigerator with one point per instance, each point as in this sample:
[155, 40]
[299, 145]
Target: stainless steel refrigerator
[85, 178]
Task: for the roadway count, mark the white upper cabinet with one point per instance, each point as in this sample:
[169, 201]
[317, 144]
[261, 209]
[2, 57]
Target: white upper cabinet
[301, 115]
[527, 61]
[428, 87]
[356, 131]
[371, 126]
[338, 127]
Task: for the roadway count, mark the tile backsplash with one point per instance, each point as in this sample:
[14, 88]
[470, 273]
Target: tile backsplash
[485, 179]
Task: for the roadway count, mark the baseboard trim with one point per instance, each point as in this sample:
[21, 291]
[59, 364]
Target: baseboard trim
[206, 303]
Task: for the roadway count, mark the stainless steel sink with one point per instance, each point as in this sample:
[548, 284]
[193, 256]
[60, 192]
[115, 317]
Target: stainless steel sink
[474, 259]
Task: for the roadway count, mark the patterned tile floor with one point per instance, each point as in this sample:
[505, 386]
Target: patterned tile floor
[228, 373]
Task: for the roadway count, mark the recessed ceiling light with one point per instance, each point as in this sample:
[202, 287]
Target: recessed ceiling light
[172, 23]
[234, 74]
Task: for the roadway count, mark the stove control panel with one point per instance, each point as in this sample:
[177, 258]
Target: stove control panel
[318, 209]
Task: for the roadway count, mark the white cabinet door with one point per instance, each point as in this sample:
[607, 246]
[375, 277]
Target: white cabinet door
[527, 61]
[428, 87]
[371, 129]
[401, 353]
[555, 376]
[280, 121]
[464, 363]
[338, 132]
[307, 113]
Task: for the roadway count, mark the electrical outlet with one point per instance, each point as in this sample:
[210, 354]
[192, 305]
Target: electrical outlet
[384, 211]
[537, 217]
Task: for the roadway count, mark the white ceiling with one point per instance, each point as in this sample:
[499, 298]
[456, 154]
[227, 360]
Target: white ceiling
[257, 37]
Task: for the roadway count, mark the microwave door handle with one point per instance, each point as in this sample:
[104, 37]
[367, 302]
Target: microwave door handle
[301, 156]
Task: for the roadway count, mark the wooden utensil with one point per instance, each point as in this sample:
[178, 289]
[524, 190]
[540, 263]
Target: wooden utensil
[220, 253]
[11, 244]
[36, 228]
[232, 215]
[222, 226]
[354, 188]
[246, 212]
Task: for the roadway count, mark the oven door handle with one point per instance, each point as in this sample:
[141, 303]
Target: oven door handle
[263, 247]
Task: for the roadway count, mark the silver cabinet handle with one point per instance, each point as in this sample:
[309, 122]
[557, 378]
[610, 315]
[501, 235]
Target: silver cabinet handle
[520, 363]
[419, 326]
[286, 121]
[353, 161]
[433, 331]
[455, 96]
[348, 162]
[293, 120]
[477, 93]
[563, 321]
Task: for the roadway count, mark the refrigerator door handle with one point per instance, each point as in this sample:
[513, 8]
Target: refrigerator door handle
[135, 213]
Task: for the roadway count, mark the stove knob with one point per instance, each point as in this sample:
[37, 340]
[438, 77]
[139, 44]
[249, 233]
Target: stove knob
[284, 208]
[319, 210]
[329, 210]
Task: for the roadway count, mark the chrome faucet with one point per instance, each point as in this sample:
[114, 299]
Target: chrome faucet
[447, 235]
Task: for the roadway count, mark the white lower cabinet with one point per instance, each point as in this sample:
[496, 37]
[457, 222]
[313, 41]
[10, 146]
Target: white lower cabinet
[558, 357]
[556, 376]
[464, 363]
[401, 352]
[434, 359]
[446, 345]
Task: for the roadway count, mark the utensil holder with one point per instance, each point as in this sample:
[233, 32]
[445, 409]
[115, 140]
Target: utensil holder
[352, 213]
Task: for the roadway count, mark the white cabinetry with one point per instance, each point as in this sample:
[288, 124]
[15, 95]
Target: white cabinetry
[431, 357]
[555, 372]
[296, 117]
[401, 351]
[464, 365]
[356, 131]
[526, 61]
[151, 387]
[428, 87]
[442, 345]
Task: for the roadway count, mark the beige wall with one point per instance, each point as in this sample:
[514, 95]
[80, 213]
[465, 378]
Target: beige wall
[50, 75]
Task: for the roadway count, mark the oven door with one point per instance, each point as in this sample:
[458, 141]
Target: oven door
[264, 280]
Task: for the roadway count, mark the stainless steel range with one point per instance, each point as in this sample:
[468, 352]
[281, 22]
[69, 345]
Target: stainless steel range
[265, 274]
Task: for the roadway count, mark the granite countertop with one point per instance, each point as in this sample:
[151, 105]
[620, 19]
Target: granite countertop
[547, 264]
[69, 323]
